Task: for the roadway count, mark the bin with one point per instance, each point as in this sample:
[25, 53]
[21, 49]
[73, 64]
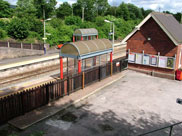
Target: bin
[179, 75]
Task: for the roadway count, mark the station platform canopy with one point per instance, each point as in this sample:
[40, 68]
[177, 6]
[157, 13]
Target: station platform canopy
[86, 49]
[85, 32]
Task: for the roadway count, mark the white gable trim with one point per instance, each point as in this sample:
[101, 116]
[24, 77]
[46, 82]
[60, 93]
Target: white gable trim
[136, 28]
[143, 22]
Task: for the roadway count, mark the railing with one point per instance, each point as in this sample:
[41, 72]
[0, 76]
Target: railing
[167, 127]
[21, 102]
[22, 45]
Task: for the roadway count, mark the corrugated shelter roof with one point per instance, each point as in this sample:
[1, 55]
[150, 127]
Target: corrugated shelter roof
[86, 49]
[85, 32]
[168, 24]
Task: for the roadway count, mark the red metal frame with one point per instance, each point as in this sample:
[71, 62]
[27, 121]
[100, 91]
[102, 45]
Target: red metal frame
[79, 66]
[73, 38]
[61, 67]
[111, 57]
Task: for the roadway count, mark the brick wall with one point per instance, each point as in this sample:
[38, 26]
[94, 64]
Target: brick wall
[159, 42]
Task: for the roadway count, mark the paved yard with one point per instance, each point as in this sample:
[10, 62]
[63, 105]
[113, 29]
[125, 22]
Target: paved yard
[133, 105]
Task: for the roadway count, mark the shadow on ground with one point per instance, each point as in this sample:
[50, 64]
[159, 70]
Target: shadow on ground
[79, 120]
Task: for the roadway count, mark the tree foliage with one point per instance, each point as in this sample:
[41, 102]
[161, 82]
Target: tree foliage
[64, 9]
[18, 28]
[5, 10]
[73, 20]
[25, 8]
[47, 5]
[2, 34]
[27, 21]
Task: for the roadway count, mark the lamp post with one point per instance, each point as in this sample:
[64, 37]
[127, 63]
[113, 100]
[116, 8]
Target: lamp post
[45, 38]
[107, 21]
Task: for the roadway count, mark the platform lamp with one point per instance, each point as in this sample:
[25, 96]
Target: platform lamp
[107, 21]
[44, 38]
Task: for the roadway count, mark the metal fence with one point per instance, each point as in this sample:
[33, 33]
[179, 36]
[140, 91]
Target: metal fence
[19, 103]
[22, 45]
[170, 127]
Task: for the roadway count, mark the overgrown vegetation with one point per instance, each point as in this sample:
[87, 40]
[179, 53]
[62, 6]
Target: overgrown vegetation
[25, 21]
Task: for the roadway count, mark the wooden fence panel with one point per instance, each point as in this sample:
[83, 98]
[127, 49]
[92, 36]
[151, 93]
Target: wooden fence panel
[3, 44]
[77, 79]
[38, 46]
[108, 69]
[91, 76]
[26, 45]
[17, 104]
[15, 45]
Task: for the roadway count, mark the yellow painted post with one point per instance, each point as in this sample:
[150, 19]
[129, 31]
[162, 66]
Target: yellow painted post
[83, 80]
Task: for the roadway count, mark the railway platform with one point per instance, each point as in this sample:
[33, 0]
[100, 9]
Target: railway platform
[17, 62]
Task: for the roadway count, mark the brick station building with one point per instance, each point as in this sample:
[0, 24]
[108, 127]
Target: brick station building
[155, 45]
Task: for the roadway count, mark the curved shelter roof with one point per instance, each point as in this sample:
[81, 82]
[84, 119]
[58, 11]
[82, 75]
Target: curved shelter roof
[85, 32]
[86, 49]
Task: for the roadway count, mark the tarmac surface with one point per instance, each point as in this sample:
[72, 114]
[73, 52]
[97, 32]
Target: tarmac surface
[135, 104]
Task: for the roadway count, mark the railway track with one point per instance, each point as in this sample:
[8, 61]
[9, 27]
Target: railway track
[7, 81]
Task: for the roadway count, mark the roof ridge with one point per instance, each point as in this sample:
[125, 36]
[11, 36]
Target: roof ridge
[162, 13]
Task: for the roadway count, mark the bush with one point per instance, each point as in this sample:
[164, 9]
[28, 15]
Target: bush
[73, 20]
[18, 28]
[61, 34]
[4, 24]
[36, 25]
[99, 21]
[56, 22]
[2, 34]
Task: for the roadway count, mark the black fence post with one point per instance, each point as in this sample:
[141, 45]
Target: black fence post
[171, 129]
[47, 93]
[120, 66]
[22, 102]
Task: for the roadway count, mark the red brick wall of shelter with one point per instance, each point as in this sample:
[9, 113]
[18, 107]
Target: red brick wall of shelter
[159, 42]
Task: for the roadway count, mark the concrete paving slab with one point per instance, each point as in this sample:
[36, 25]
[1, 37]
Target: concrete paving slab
[134, 104]
[37, 115]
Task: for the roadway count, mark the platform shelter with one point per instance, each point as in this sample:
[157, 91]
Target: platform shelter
[82, 50]
[85, 34]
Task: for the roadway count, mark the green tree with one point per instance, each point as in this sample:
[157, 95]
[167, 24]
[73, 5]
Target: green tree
[5, 10]
[146, 12]
[25, 12]
[123, 12]
[101, 7]
[25, 8]
[89, 9]
[64, 10]
[47, 5]
[2, 34]
[56, 22]
[59, 35]
[77, 9]
[73, 20]
[135, 12]
[18, 28]
[178, 17]
[99, 21]
[111, 11]
[4, 24]
[24, 3]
